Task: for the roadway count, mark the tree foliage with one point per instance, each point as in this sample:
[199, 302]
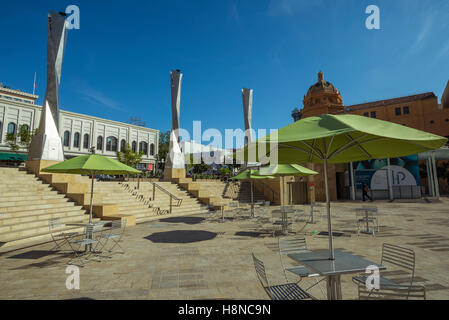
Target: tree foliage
[21, 139]
[129, 157]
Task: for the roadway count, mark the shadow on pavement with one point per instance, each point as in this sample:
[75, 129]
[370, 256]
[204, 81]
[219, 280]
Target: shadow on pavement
[181, 236]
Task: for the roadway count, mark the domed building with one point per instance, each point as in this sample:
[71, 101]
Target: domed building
[321, 98]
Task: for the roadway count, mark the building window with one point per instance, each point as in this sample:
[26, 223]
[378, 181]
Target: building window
[373, 114]
[123, 145]
[366, 114]
[111, 144]
[76, 140]
[100, 143]
[406, 110]
[134, 146]
[86, 141]
[152, 149]
[25, 127]
[397, 111]
[66, 138]
[11, 128]
[143, 146]
[431, 121]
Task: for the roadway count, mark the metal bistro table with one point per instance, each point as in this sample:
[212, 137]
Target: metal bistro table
[345, 263]
[88, 247]
[375, 217]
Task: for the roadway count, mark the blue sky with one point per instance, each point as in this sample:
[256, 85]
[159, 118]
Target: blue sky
[117, 65]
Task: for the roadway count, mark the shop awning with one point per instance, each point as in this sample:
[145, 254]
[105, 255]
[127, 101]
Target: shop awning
[12, 156]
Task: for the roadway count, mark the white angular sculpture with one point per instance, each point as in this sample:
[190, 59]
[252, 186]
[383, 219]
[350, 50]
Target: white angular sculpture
[46, 144]
[175, 157]
[247, 96]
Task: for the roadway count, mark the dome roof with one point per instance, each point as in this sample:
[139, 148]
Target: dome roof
[321, 86]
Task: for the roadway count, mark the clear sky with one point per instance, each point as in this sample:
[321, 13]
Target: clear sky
[117, 64]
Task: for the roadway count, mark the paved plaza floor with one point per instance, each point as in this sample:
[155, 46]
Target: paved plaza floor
[199, 257]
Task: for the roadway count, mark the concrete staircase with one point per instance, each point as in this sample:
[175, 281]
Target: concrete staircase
[242, 193]
[26, 205]
[161, 203]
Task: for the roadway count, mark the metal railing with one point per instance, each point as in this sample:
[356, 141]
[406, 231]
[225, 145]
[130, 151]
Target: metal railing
[177, 200]
[174, 201]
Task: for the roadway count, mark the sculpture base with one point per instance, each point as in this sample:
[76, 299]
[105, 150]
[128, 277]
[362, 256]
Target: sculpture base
[173, 173]
[35, 166]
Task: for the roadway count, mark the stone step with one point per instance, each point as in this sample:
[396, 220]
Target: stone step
[36, 207]
[31, 229]
[40, 211]
[15, 223]
[44, 196]
[37, 238]
[22, 203]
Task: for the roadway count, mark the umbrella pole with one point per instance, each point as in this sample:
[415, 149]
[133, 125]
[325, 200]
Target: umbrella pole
[284, 214]
[328, 207]
[91, 198]
[252, 200]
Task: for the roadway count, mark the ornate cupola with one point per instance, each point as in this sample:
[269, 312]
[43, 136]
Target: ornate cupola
[321, 98]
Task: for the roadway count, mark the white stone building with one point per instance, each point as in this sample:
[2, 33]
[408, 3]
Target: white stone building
[78, 132]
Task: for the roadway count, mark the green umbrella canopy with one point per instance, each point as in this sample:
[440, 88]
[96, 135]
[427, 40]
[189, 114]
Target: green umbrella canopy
[286, 170]
[345, 138]
[92, 163]
[250, 174]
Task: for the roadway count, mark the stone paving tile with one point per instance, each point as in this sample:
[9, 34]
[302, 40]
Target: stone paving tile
[221, 267]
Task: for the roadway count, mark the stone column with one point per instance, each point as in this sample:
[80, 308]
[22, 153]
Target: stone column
[46, 146]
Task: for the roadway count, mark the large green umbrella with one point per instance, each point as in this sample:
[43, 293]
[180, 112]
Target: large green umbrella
[283, 170]
[344, 138]
[250, 175]
[91, 164]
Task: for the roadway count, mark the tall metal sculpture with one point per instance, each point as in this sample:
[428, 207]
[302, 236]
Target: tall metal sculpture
[247, 96]
[175, 163]
[47, 144]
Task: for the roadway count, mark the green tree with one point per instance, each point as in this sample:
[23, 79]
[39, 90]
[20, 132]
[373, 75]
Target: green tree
[129, 157]
[20, 140]
[164, 144]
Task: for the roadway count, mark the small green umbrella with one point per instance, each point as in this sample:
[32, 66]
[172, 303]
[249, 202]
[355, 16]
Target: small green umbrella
[250, 175]
[91, 164]
[342, 138]
[283, 170]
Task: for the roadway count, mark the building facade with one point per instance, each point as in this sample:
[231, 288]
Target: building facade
[78, 132]
[420, 111]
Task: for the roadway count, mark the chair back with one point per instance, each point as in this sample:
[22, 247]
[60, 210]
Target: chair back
[260, 271]
[91, 228]
[54, 224]
[399, 257]
[292, 245]
[415, 292]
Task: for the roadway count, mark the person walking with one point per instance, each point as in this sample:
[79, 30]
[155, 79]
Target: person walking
[365, 190]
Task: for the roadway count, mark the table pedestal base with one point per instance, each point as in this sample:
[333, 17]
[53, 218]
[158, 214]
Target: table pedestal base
[333, 287]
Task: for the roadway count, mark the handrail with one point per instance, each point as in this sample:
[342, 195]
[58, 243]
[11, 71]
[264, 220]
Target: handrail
[141, 198]
[172, 196]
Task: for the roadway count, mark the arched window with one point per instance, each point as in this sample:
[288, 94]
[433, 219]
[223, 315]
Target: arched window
[143, 146]
[111, 144]
[100, 143]
[134, 146]
[25, 127]
[86, 141]
[11, 128]
[76, 140]
[123, 145]
[66, 138]
[152, 149]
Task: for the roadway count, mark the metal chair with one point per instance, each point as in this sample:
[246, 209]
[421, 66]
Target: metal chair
[59, 237]
[115, 235]
[87, 240]
[289, 245]
[399, 258]
[313, 210]
[287, 291]
[367, 216]
[415, 292]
